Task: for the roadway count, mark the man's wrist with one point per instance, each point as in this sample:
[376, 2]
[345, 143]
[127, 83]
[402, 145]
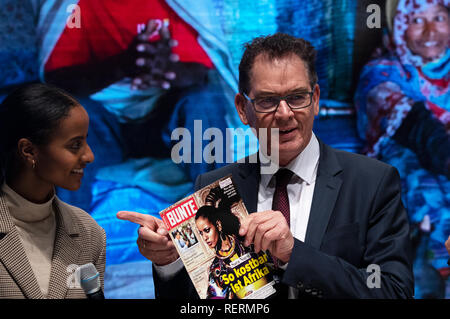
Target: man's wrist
[166, 272]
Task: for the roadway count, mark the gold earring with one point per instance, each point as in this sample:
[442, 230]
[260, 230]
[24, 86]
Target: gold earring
[34, 164]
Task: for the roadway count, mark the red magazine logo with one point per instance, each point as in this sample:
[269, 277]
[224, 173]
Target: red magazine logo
[180, 213]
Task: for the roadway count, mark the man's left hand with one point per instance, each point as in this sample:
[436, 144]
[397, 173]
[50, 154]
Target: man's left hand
[268, 230]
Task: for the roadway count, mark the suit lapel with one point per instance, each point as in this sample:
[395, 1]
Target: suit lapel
[65, 253]
[247, 181]
[13, 256]
[326, 192]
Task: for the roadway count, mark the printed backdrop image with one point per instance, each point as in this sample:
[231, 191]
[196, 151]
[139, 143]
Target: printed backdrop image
[143, 68]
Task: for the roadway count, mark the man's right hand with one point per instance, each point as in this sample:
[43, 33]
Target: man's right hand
[153, 238]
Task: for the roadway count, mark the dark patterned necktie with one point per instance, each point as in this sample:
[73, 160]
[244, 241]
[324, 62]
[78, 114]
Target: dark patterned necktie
[280, 197]
[281, 202]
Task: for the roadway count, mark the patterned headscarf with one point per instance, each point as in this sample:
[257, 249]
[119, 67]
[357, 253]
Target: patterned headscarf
[403, 15]
[394, 80]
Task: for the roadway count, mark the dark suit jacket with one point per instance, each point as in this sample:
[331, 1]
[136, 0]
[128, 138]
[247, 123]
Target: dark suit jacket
[357, 219]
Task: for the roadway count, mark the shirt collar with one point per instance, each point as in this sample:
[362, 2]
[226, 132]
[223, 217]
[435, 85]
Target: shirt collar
[304, 165]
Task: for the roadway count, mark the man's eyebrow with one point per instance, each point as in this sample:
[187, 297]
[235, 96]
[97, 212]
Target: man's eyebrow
[293, 91]
[300, 90]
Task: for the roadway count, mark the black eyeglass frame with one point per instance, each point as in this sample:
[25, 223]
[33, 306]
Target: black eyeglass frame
[280, 98]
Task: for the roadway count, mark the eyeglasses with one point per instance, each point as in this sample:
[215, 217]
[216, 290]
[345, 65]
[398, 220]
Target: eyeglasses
[269, 104]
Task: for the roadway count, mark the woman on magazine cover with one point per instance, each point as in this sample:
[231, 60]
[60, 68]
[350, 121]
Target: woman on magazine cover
[43, 144]
[219, 229]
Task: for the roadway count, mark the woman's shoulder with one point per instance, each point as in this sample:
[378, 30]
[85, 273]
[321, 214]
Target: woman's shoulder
[76, 219]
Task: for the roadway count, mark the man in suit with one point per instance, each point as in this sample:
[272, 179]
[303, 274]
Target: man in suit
[334, 221]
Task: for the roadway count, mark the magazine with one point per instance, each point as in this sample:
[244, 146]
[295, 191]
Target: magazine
[205, 230]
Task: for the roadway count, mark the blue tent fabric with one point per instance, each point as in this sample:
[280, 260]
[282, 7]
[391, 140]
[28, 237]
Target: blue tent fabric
[244, 20]
[151, 175]
[18, 51]
[329, 26]
[129, 280]
[293, 21]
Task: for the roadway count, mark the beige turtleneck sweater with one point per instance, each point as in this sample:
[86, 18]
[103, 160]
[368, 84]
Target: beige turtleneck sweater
[36, 226]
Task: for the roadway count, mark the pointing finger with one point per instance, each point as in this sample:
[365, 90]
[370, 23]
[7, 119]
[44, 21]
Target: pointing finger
[154, 238]
[138, 218]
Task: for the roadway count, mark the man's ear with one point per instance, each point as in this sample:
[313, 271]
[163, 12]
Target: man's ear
[316, 98]
[239, 103]
[27, 150]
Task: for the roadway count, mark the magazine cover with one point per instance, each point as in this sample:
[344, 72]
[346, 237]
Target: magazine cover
[205, 229]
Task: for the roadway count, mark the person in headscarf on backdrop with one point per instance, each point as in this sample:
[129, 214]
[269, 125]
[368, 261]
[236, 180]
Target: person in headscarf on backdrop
[403, 113]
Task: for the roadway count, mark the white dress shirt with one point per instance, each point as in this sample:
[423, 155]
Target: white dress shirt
[300, 192]
[300, 188]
